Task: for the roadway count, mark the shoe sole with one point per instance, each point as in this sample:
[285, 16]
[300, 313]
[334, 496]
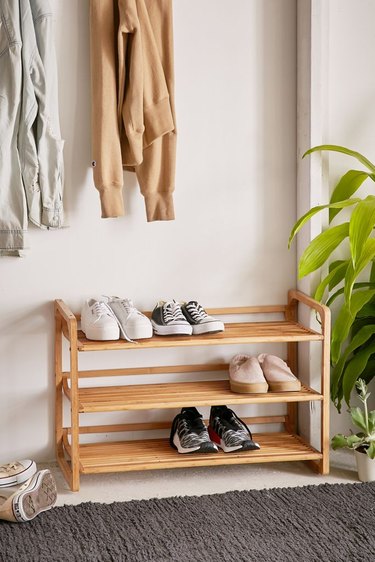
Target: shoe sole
[248, 445]
[207, 447]
[248, 388]
[40, 495]
[176, 330]
[19, 478]
[100, 335]
[208, 328]
[285, 386]
[143, 333]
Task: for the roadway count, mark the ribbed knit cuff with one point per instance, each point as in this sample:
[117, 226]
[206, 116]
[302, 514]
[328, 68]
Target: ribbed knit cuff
[158, 121]
[112, 202]
[159, 207]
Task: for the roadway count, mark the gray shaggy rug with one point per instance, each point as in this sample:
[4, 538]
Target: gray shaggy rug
[330, 523]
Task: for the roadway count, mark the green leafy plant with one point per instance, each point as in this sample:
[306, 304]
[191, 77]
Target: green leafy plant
[363, 441]
[354, 327]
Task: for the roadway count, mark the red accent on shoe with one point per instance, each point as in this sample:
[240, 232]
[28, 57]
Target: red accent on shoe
[214, 436]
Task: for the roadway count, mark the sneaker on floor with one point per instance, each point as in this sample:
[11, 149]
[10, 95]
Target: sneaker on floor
[167, 319]
[16, 472]
[189, 434]
[200, 321]
[229, 432]
[246, 375]
[133, 324]
[278, 375]
[98, 321]
[34, 496]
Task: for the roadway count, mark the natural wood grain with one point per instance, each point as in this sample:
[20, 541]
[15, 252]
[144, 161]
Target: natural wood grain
[235, 333]
[150, 454]
[177, 395]
[157, 454]
[151, 426]
[198, 368]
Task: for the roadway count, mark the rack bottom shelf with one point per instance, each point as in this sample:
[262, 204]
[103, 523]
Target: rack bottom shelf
[155, 454]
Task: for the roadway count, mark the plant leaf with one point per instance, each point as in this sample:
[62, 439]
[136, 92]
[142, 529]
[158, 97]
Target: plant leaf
[372, 273]
[337, 148]
[345, 319]
[358, 340]
[360, 227]
[314, 210]
[366, 256]
[341, 291]
[358, 418]
[354, 369]
[371, 421]
[371, 450]
[339, 441]
[321, 247]
[346, 187]
[335, 276]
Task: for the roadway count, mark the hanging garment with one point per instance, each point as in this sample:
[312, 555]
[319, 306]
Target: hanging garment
[31, 148]
[133, 117]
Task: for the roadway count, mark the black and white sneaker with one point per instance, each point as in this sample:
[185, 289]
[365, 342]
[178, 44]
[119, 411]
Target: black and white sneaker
[200, 321]
[167, 319]
[229, 432]
[189, 434]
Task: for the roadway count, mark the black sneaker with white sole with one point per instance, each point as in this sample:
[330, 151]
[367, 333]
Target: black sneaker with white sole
[167, 320]
[189, 434]
[229, 432]
[200, 321]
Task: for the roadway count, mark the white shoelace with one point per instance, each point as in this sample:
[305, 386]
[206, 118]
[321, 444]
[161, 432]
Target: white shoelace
[172, 312]
[100, 309]
[197, 312]
[8, 467]
[129, 307]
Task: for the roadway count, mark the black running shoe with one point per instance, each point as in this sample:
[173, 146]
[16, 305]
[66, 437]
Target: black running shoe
[189, 434]
[229, 432]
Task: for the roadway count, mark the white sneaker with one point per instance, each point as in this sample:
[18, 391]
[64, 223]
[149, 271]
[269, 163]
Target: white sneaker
[16, 472]
[133, 324]
[98, 321]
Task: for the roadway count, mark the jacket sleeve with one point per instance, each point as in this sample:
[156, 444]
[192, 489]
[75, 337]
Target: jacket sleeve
[106, 147]
[144, 106]
[49, 144]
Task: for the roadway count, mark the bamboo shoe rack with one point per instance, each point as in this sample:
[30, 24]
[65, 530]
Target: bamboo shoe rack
[76, 458]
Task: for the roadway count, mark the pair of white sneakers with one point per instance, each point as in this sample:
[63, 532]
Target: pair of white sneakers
[112, 318]
[35, 491]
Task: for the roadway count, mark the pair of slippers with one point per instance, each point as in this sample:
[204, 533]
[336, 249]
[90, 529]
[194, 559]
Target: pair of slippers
[250, 374]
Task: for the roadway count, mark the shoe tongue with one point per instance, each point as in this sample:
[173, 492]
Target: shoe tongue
[191, 412]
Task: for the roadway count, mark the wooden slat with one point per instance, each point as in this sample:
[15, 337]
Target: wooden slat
[152, 426]
[207, 367]
[178, 395]
[157, 454]
[235, 333]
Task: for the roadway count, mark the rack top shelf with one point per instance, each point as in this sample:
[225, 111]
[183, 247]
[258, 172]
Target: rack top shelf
[235, 333]
[287, 329]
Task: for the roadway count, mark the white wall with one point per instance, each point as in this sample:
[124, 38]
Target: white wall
[336, 106]
[235, 203]
[351, 101]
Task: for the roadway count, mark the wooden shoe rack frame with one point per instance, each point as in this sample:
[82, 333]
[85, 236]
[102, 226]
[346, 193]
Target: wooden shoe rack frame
[77, 458]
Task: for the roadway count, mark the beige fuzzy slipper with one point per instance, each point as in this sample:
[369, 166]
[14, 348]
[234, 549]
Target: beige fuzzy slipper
[277, 373]
[246, 375]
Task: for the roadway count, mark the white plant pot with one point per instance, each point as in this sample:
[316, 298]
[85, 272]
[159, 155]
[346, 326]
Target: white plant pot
[365, 467]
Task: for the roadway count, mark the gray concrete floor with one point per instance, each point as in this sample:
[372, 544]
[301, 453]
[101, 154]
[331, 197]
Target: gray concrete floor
[124, 486]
